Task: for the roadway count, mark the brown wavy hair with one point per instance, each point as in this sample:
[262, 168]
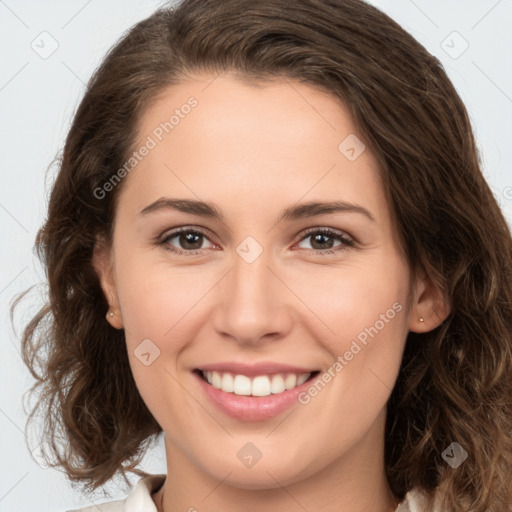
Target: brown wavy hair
[455, 383]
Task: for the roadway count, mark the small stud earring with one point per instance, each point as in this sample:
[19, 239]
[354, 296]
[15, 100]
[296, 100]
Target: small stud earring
[111, 314]
[422, 319]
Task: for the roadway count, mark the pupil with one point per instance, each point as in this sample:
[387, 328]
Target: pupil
[320, 236]
[189, 239]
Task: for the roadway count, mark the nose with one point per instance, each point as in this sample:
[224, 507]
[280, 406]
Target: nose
[253, 305]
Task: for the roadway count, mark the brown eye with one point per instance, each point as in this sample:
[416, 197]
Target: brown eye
[324, 240]
[184, 241]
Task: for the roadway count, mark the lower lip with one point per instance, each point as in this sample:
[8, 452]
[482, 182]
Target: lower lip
[252, 408]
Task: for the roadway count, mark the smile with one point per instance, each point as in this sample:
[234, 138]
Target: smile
[261, 396]
[261, 385]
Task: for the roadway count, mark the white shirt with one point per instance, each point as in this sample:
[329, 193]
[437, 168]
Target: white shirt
[139, 499]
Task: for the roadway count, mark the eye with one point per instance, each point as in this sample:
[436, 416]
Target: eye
[188, 240]
[323, 240]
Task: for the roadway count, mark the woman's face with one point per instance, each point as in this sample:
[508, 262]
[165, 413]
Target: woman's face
[252, 291]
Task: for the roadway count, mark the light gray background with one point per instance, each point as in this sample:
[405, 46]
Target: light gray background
[38, 97]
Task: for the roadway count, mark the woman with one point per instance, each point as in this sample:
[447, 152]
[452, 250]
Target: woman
[271, 240]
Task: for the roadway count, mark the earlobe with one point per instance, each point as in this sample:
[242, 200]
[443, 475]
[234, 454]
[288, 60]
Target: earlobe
[113, 320]
[430, 307]
[101, 260]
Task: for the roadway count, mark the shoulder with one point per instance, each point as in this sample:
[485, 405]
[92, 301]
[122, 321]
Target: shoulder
[111, 506]
[139, 498]
[415, 501]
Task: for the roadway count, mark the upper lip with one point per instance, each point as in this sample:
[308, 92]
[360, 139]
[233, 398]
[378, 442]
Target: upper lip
[253, 370]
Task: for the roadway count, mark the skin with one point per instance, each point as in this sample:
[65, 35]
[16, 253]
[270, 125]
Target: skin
[255, 151]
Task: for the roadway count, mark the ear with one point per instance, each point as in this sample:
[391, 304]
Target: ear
[102, 261]
[429, 308]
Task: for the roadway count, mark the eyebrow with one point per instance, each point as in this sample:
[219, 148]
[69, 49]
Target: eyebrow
[294, 212]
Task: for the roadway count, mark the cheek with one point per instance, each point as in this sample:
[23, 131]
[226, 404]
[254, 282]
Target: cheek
[159, 305]
[365, 310]
[366, 292]
[158, 300]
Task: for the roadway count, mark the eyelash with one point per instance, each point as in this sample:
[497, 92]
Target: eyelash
[346, 242]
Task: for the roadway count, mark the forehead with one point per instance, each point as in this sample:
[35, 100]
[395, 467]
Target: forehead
[281, 140]
[228, 108]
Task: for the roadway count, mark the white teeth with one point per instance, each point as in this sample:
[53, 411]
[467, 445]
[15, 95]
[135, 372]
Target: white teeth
[277, 385]
[302, 378]
[241, 385]
[227, 383]
[291, 381]
[216, 381]
[262, 385]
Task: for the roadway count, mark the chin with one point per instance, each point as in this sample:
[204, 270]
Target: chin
[262, 475]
